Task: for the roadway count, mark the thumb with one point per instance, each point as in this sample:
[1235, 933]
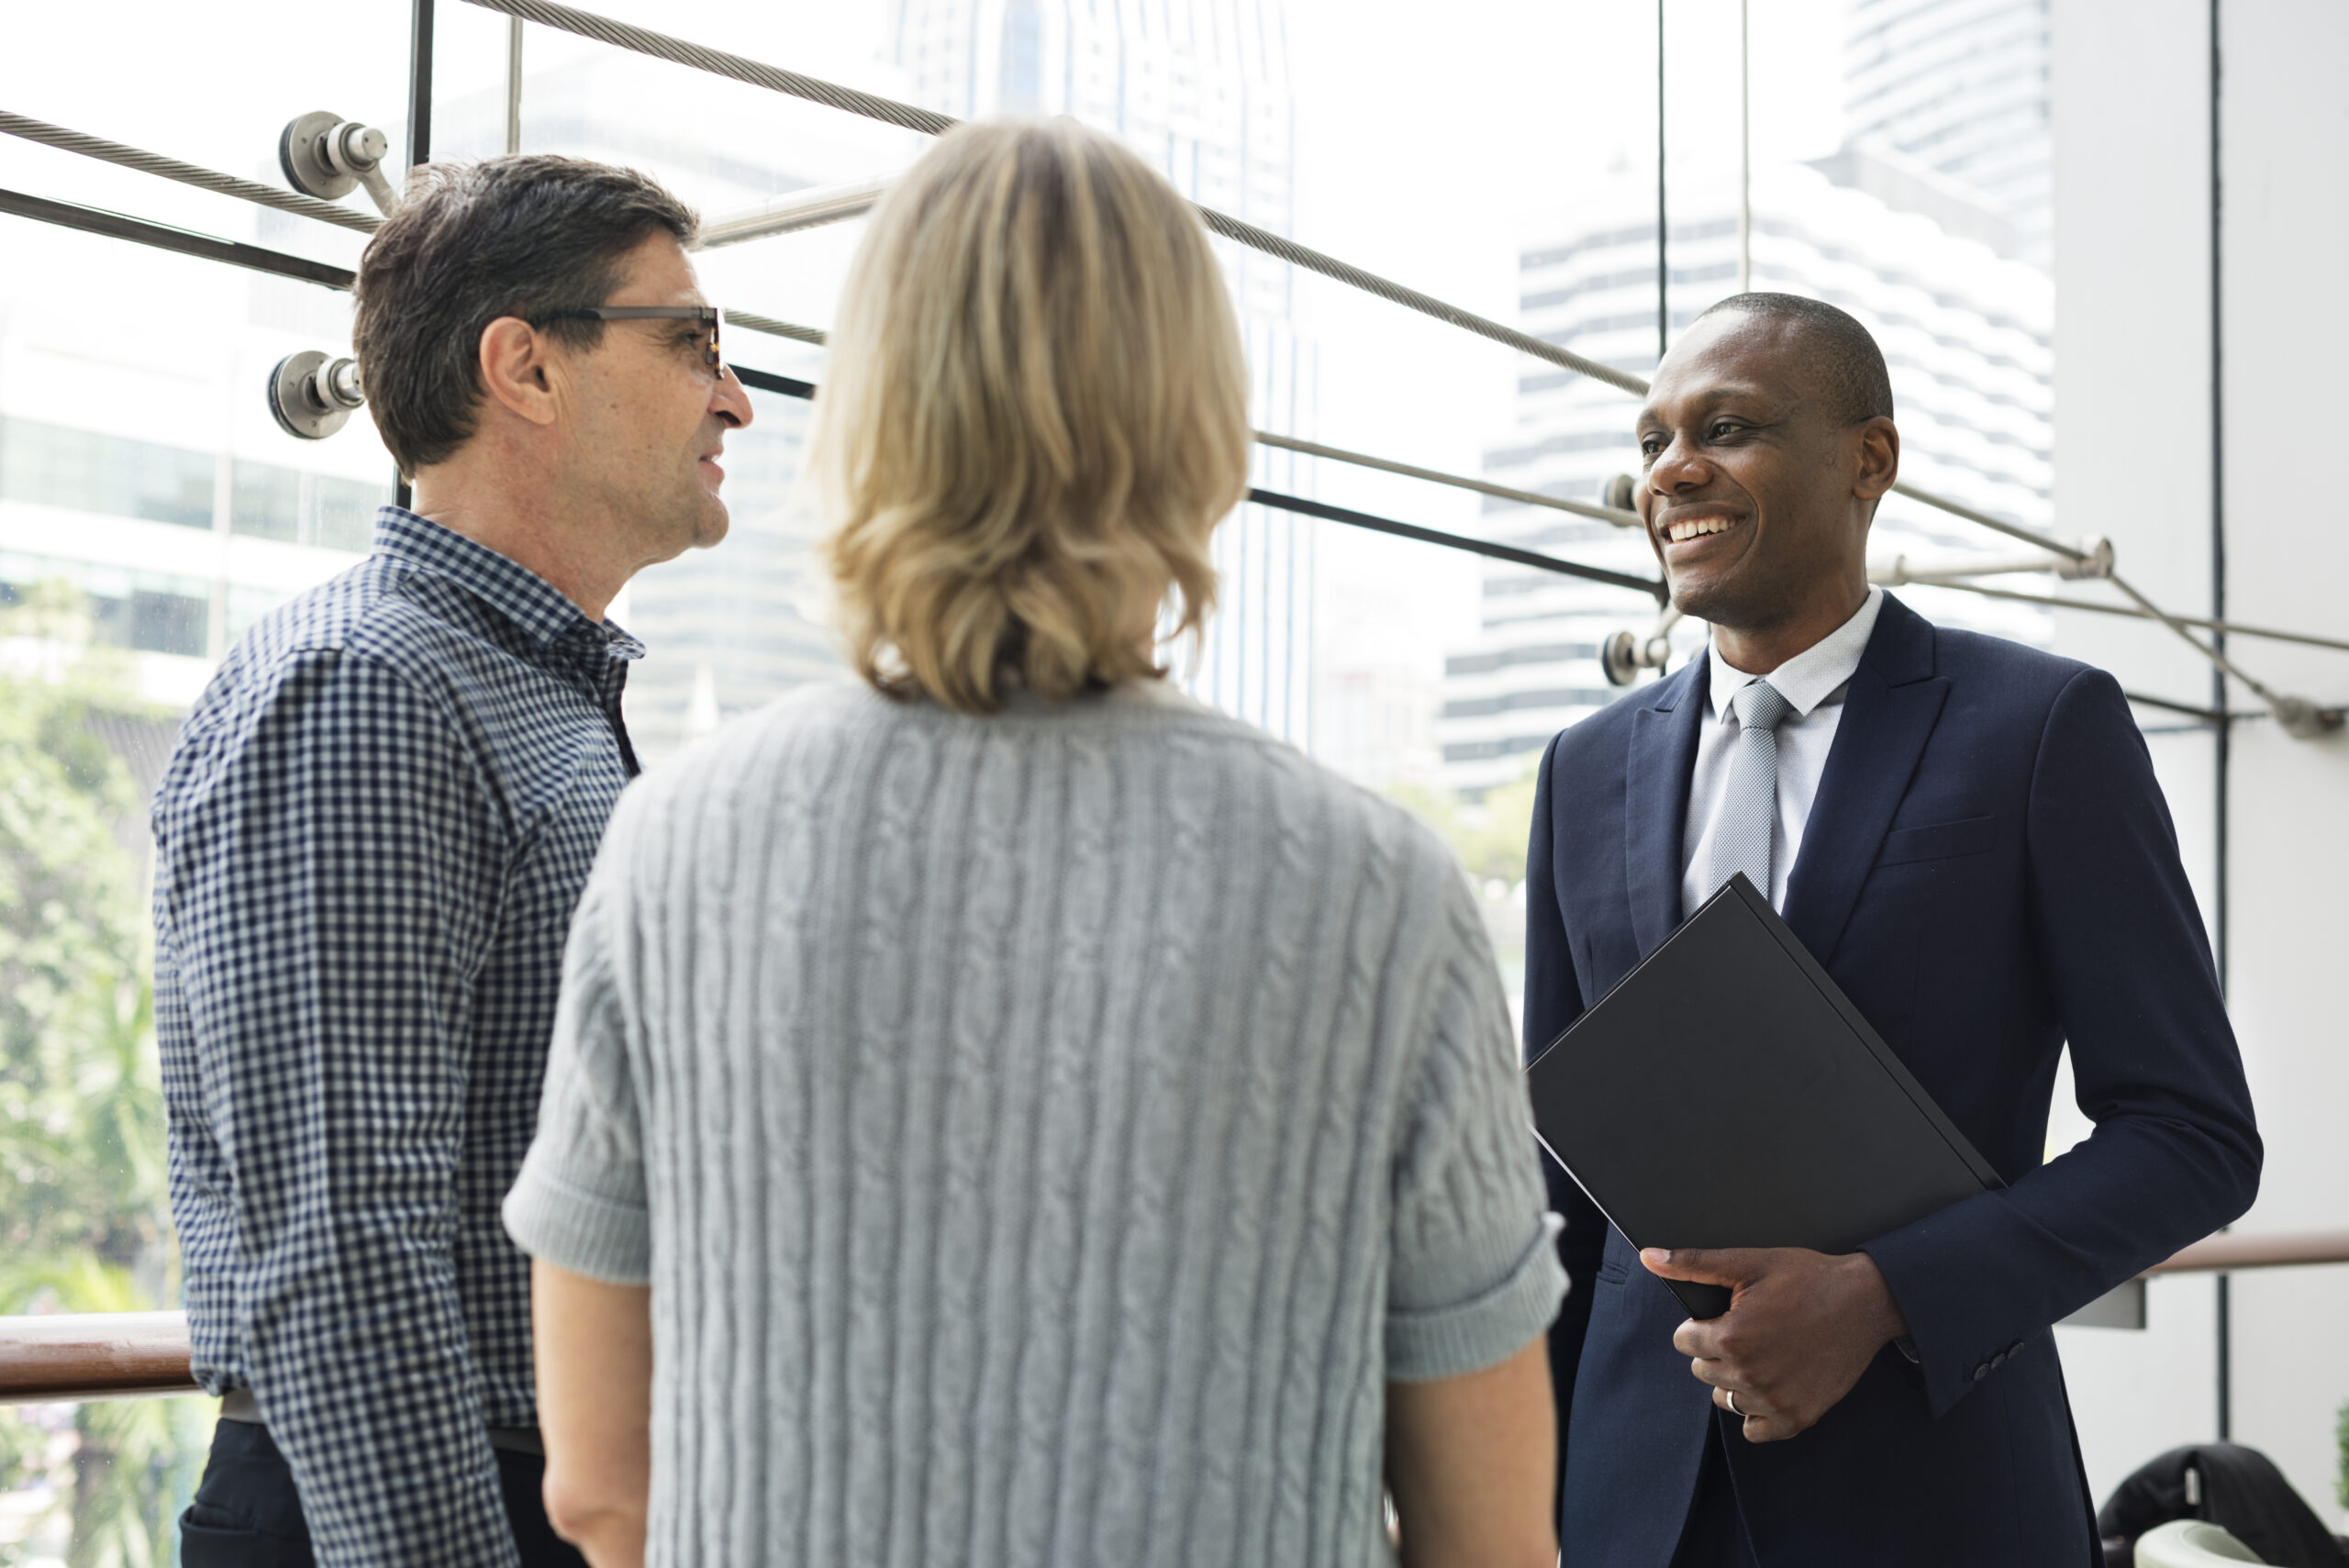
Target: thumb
[1705, 1265]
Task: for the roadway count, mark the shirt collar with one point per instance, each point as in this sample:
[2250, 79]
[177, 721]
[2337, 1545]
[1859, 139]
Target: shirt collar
[1811, 676]
[521, 595]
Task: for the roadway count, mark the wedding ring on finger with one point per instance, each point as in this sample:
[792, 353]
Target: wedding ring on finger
[1730, 1394]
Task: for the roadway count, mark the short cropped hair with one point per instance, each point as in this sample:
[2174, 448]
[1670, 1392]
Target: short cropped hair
[471, 242]
[1034, 415]
[1840, 351]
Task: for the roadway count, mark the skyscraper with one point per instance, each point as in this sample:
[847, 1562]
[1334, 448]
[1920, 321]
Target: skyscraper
[1891, 227]
[1201, 89]
[1959, 87]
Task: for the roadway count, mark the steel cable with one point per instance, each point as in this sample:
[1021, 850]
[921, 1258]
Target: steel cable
[661, 46]
[185, 174]
[717, 63]
[773, 328]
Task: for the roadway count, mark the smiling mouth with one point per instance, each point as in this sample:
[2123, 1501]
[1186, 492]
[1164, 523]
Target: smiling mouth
[1697, 527]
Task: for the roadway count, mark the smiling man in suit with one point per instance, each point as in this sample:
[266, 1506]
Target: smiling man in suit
[1967, 834]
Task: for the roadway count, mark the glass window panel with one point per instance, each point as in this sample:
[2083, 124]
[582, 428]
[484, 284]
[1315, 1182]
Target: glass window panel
[246, 605]
[93, 471]
[128, 378]
[265, 501]
[167, 623]
[728, 630]
[344, 512]
[293, 507]
[150, 511]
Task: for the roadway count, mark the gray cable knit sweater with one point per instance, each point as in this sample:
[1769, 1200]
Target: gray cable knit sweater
[1044, 1135]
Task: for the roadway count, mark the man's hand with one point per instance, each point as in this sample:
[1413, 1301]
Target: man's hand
[1801, 1327]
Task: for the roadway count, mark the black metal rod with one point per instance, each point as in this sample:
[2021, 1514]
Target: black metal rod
[118, 226]
[419, 83]
[1663, 268]
[767, 381]
[2206, 715]
[788, 386]
[2224, 1326]
[115, 226]
[1649, 586]
[420, 139]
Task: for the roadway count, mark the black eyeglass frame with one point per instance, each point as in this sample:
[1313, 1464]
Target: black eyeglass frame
[713, 352]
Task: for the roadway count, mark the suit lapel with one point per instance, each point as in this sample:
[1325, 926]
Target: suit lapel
[1888, 714]
[1655, 804]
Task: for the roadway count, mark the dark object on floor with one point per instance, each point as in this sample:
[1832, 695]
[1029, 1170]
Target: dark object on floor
[2228, 1484]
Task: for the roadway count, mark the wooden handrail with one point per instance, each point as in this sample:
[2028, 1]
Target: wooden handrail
[2230, 1251]
[92, 1355]
[59, 1357]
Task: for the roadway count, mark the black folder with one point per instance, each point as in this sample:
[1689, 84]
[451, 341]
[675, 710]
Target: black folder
[1727, 1094]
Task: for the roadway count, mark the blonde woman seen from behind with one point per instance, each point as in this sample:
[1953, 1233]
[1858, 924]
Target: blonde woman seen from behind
[1003, 1112]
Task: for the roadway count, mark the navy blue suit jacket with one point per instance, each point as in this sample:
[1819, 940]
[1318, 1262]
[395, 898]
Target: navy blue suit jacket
[1989, 872]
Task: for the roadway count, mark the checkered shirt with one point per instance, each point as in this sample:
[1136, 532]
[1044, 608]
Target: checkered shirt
[369, 842]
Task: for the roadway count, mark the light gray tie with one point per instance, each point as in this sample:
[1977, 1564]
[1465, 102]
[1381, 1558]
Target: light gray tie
[1750, 808]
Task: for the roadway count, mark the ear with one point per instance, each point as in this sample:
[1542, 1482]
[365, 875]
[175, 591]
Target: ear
[518, 371]
[1878, 451]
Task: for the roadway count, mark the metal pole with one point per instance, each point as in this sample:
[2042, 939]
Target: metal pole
[1663, 275]
[1744, 156]
[419, 138]
[513, 84]
[419, 83]
[2221, 733]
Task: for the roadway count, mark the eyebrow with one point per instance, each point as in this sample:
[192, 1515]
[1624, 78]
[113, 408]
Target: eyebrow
[1711, 398]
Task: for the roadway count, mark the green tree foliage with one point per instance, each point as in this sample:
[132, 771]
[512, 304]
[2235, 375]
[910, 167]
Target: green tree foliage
[1487, 835]
[2341, 1440]
[70, 993]
[83, 1218]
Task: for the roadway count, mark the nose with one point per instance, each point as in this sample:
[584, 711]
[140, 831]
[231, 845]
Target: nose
[1677, 469]
[730, 400]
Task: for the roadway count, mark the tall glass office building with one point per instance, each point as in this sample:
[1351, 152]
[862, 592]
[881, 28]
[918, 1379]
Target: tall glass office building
[1201, 89]
[1959, 89]
[1887, 227]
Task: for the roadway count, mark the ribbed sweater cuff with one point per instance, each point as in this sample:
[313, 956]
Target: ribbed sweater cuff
[577, 1229]
[1448, 1341]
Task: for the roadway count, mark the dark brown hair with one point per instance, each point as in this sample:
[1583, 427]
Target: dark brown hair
[471, 242]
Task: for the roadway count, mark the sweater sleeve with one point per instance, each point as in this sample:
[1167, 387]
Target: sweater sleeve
[1475, 1275]
[579, 1202]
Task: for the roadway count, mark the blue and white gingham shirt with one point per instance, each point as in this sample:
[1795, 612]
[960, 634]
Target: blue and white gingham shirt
[368, 843]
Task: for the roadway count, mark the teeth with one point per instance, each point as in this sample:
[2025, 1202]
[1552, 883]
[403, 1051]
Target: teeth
[1680, 533]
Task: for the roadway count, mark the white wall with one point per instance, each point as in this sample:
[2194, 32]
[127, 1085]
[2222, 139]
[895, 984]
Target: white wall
[2284, 140]
[2131, 93]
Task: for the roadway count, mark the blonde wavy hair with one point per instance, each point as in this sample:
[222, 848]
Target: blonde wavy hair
[1034, 415]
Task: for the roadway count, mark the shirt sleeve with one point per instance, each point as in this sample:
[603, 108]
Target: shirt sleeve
[329, 885]
[580, 1201]
[1475, 1275]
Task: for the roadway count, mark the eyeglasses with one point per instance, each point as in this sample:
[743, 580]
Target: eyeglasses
[709, 315]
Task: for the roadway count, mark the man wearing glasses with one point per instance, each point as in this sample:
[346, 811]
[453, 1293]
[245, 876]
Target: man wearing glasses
[370, 842]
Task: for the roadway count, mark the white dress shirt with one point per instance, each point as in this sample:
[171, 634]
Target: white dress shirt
[1813, 684]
